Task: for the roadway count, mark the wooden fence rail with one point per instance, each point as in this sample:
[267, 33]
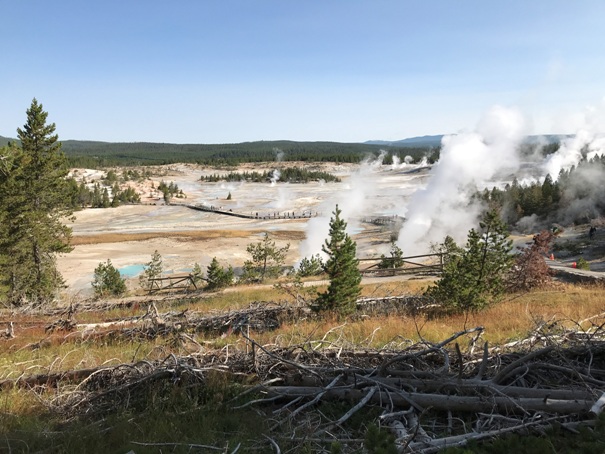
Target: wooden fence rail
[172, 282]
[410, 265]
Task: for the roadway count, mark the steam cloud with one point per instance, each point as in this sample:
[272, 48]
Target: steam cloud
[352, 201]
[283, 192]
[470, 161]
[584, 196]
[467, 161]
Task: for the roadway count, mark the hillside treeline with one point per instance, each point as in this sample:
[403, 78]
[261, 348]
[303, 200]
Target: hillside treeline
[288, 175]
[576, 196]
[104, 154]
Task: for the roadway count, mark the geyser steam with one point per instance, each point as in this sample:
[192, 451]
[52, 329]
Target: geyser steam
[352, 200]
[468, 161]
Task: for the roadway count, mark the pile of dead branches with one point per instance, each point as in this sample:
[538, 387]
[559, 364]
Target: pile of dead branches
[259, 317]
[429, 395]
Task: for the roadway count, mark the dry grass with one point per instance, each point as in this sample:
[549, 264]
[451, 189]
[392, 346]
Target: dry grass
[62, 352]
[35, 351]
[509, 320]
[411, 286]
[184, 235]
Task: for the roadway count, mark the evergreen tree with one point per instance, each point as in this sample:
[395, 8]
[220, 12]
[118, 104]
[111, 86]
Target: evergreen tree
[108, 281]
[105, 199]
[197, 274]
[153, 269]
[394, 261]
[267, 260]
[342, 268]
[37, 199]
[477, 276]
[84, 195]
[312, 266]
[449, 250]
[217, 276]
[10, 160]
[96, 200]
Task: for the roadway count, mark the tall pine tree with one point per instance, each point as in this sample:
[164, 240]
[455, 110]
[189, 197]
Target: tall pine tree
[342, 268]
[37, 204]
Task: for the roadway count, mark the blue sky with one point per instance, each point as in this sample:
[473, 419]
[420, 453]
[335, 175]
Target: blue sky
[344, 70]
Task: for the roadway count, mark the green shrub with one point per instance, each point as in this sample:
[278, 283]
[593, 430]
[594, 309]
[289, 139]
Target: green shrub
[582, 264]
[394, 261]
[379, 441]
[312, 266]
[107, 280]
[217, 276]
[476, 277]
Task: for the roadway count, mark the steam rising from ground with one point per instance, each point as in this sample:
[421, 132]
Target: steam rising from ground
[283, 192]
[467, 161]
[359, 190]
[397, 164]
[587, 141]
[471, 161]
[584, 195]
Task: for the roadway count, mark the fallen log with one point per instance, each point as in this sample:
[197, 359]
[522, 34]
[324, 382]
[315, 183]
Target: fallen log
[507, 404]
[447, 385]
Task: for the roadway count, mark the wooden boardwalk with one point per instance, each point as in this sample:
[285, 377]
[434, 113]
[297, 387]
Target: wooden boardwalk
[306, 214]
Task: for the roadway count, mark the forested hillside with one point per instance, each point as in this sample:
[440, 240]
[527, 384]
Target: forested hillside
[103, 154]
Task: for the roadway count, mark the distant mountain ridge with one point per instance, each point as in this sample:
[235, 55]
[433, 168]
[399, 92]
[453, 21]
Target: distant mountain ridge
[420, 141]
[5, 140]
[435, 141]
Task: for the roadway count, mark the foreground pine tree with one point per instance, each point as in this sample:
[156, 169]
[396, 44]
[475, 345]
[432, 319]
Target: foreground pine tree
[476, 276]
[342, 268]
[35, 204]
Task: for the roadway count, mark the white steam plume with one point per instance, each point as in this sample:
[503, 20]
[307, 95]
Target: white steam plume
[279, 154]
[275, 175]
[353, 202]
[586, 139]
[568, 154]
[408, 160]
[467, 161]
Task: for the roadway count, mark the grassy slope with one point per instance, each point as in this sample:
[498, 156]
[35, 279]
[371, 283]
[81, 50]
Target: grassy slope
[27, 416]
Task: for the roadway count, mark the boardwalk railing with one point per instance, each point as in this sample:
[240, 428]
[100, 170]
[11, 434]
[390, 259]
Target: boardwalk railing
[383, 220]
[432, 264]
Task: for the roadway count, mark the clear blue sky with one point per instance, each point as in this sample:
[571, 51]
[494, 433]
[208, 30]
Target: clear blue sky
[240, 70]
